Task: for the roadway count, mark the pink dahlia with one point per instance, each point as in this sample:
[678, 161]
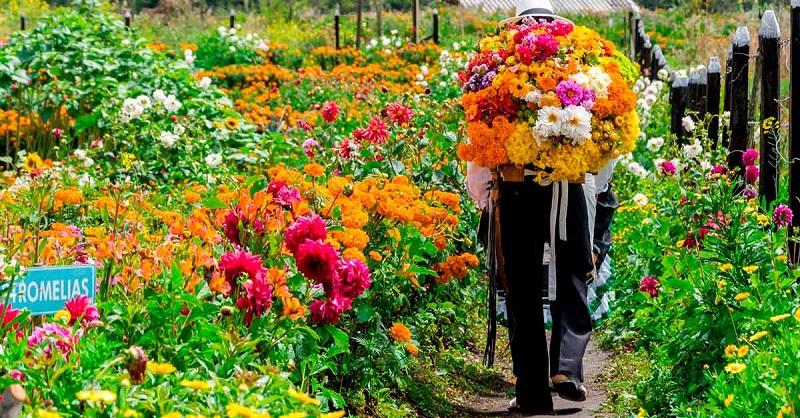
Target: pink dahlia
[749, 157]
[305, 227]
[751, 173]
[649, 285]
[719, 169]
[240, 263]
[782, 216]
[81, 308]
[353, 278]
[317, 261]
[231, 227]
[398, 113]
[52, 335]
[328, 312]
[310, 147]
[348, 148]
[257, 299]
[283, 194]
[9, 314]
[330, 111]
[376, 133]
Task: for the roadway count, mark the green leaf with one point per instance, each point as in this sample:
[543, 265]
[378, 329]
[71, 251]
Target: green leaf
[365, 313]
[213, 202]
[339, 337]
[84, 122]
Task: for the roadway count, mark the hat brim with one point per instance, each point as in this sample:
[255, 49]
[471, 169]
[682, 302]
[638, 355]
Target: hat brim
[516, 19]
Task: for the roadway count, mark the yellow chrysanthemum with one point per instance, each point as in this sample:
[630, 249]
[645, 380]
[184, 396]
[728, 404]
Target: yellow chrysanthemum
[160, 368]
[335, 414]
[730, 351]
[294, 415]
[780, 317]
[721, 284]
[728, 400]
[104, 396]
[196, 384]
[782, 258]
[750, 269]
[757, 336]
[62, 316]
[172, 415]
[302, 397]
[742, 296]
[47, 414]
[743, 350]
[735, 368]
[725, 267]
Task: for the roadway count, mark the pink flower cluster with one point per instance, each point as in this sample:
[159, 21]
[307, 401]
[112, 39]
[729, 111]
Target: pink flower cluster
[257, 296]
[342, 279]
[751, 171]
[541, 46]
[81, 308]
[649, 285]
[55, 336]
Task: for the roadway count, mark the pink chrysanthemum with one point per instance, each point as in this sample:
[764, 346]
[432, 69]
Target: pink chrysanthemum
[52, 335]
[329, 311]
[751, 174]
[749, 157]
[668, 168]
[257, 299]
[310, 147]
[330, 111]
[570, 93]
[398, 113]
[317, 261]
[650, 286]
[305, 227]
[81, 308]
[353, 278]
[782, 216]
[240, 263]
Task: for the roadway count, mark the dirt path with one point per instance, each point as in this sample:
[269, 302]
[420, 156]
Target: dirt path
[494, 403]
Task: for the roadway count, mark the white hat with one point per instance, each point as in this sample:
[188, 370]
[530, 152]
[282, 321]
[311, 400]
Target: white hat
[533, 8]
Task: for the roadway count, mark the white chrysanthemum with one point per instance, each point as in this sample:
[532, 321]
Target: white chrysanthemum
[663, 74]
[533, 97]
[131, 109]
[693, 150]
[232, 48]
[222, 31]
[168, 139]
[171, 103]
[188, 56]
[650, 99]
[179, 129]
[88, 162]
[576, 124]
[373, 43]
[636, 169]
[213, 160]
[582, 79]
[640, 199]
[548, 122]
[655, 144]
[658, 85]
[599, 81]
[205, 83]
[688, 123]
[706, 165]
[643, 104]
[159, 95]
[79, 154]
[423, 69]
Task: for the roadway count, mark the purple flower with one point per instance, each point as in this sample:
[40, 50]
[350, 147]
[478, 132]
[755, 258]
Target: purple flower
[749, 157]
[310, 147]
[650, 285]
[751, 173]
[718, 169]
[749, 193]
[782, 216]
[569, 93]
[668, 168]
[588, 99]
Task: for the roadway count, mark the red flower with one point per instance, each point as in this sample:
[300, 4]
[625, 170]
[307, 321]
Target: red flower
[347, 147]
[305, 125]
[398, 113]
[328, 312]
[81, 308]
[376, 133]
[305, 227]
[353, 278]
[232, 227]
[9, 314]
[317, 261]
[330, 111]
[649, 285]
[258, 298]
[239, 263]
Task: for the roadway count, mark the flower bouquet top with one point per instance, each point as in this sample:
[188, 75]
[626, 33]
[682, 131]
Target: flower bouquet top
[549, 95]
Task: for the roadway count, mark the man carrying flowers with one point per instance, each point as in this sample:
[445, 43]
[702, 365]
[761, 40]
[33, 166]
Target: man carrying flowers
[546, 103]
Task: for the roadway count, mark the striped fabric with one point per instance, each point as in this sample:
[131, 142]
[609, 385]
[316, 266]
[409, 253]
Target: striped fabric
[559, 6]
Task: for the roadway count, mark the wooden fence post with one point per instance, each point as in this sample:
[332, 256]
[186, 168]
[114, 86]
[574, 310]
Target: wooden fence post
[694, 91]
[726, 106]
[233, 19]
[647, 53]
[127, 20]
[678, 99]
[336, 26]
[640, 40]
[739, 87]
[378, 4]
[794, 135]
[713, 96]
[634, 23]
[436, 26]
[415, 13]
[657, 54]
[768, 36]
[22, 21]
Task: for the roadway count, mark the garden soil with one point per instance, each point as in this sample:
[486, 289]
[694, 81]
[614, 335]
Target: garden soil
[494, 403]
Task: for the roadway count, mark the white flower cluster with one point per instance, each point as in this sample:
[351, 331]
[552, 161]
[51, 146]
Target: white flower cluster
[640, 199]
[449, 65]
[133, 108]
[237, 42]
[692, 150]
[573, 122]
[655, 144]
[649, 93]
[387, 42]
[595, 80]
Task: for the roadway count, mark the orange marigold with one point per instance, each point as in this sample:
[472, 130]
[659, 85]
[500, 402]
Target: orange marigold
[314, 170]
[400, 332]
[412, 349]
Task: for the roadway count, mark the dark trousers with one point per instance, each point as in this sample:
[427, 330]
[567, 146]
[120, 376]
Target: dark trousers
[524, 229]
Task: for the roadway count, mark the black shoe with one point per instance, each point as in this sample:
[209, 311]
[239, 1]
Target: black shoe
[571, 390]
[513, 406]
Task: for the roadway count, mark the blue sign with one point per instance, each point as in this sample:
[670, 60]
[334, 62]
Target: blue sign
[44, 290]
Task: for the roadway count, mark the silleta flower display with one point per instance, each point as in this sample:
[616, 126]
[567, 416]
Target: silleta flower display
[551, 96]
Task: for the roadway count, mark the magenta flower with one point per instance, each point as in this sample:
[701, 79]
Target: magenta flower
[240, 263]
[749, 157]
[782, 216]
[650, 286]
[310, 147]
[569, 93]
[749, 193]
[328, 312]
[353, 278]
[318, 261]
[81, 308]
[330, 111]
[257, 298]
[668, 168]
[751, 173]
[53, 335]
[719, 169]
[310, 227]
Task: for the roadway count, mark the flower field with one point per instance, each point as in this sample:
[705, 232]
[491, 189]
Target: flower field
[285, 232]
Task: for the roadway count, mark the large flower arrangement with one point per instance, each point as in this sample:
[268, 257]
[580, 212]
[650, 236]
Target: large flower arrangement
[550, 95]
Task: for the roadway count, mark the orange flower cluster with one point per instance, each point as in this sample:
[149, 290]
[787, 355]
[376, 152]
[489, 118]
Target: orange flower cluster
[400, 332]
[456, 267]
[11, 122]
[71, 196]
